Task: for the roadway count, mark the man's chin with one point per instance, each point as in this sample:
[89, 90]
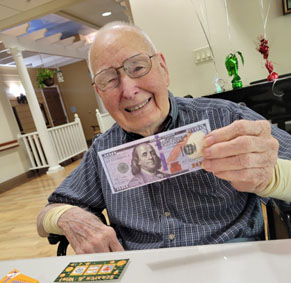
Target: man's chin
[144, 129]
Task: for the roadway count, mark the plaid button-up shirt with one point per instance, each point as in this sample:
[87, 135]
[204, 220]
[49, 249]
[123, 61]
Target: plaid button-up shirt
[191, 209]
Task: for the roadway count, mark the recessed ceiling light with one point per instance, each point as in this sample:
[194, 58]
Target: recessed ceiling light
[106, 14]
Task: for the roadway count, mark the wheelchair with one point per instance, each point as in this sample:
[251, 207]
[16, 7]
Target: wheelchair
[279, 218]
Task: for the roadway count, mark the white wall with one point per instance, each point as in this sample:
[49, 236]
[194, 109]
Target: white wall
[13, 162]
[175, 29]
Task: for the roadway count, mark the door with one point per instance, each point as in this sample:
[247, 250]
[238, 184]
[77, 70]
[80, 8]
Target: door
[55, 105]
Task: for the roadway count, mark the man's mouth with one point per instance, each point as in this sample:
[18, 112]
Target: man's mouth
[131, 109]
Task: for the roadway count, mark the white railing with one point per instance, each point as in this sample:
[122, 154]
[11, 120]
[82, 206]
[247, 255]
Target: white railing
[105, 121]
[34, 150]
[68, 140]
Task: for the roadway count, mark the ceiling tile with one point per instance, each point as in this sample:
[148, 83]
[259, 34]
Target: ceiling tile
[92, 10]
[82, 17]
[7, 12]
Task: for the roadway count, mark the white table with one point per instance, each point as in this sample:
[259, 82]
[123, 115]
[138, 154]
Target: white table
[266, 261]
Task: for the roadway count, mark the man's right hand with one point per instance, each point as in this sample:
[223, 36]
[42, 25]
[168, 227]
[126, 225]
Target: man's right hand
[87, 233]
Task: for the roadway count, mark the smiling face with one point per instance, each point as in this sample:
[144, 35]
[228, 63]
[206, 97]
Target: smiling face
[138, 105]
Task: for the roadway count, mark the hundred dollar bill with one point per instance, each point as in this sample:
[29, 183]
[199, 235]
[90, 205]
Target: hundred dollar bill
[155, 158]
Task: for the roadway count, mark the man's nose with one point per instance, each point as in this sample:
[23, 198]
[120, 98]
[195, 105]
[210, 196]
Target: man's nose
[127, 85]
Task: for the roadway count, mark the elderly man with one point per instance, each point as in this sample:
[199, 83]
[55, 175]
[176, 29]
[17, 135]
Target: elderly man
[215, 205]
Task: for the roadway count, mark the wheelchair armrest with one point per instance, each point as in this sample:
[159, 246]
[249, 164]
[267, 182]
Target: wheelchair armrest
[63, 243]
[284, 210]
[284, 206]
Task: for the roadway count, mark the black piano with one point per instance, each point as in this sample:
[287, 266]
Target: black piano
[270, 99]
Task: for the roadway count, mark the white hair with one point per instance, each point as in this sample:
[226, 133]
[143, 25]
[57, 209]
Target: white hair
[117, 24]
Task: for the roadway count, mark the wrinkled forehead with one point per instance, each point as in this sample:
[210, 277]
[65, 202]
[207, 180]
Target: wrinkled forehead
[115, 45]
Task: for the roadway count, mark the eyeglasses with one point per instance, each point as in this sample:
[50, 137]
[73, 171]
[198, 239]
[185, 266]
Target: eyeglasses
[135, 67]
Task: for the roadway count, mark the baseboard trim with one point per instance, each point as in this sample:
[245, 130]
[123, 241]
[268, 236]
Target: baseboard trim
[20, 179]
[16, 181]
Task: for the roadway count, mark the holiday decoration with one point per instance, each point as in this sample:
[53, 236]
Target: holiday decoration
[231, 64]
[264, 50]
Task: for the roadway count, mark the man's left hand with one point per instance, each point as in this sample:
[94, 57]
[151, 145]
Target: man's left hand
[243, 153]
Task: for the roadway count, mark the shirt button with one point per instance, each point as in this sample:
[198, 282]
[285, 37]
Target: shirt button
[167, 213]
[171, 237]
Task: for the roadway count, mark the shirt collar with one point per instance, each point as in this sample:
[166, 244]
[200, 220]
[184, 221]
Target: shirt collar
[169, 121]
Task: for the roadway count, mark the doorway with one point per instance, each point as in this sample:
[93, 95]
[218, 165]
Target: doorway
[55, 105]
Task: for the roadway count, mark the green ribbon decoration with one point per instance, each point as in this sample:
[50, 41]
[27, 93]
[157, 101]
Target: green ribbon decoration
[231, 64]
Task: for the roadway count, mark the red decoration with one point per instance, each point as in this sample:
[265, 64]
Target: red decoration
[272, 75]
[264, 50]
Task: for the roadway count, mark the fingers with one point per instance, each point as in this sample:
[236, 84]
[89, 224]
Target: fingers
[238, 145]
[243, 153]
[109, 240]
[104, 241]
[225, 142]
[87, 233]
[238, 128]
[115, 246]
[89, 241]
[237, 162]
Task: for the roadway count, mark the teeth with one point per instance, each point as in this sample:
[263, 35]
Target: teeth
[138, 107]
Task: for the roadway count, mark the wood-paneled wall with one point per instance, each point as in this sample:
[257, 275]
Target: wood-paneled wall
[25, 116]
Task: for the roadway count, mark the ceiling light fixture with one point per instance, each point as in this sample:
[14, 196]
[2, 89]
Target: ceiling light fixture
[106, 14]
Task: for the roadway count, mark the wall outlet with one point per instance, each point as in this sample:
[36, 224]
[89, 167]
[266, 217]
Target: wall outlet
[202, 55]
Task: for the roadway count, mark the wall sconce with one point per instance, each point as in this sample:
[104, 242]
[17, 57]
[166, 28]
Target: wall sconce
[21, 99]
[60, 76]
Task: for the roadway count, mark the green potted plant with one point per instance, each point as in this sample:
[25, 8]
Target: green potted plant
[45, 77]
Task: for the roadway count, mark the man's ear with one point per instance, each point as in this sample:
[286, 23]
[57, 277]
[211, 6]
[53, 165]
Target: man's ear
[96, 89]
[164, 66]
[98, 92]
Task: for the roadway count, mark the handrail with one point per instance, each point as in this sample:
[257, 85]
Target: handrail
[68, 140]
[105, 121]
[8, 145]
